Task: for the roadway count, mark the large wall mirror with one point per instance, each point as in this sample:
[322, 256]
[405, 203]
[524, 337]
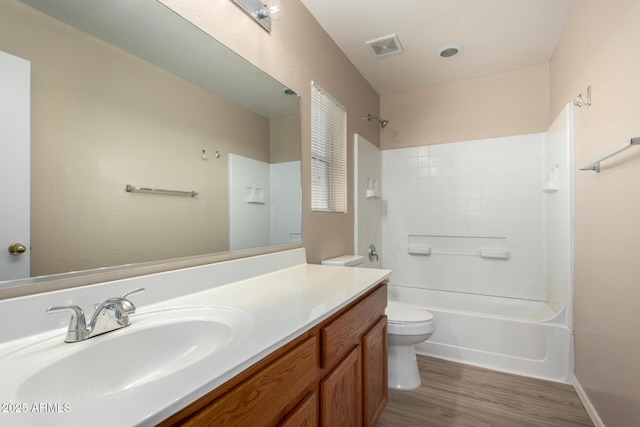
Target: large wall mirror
[127, 92]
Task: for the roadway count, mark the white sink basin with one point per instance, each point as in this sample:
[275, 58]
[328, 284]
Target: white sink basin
[157, 344]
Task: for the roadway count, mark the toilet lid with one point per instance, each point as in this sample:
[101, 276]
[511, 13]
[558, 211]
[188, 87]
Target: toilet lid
[406, 313]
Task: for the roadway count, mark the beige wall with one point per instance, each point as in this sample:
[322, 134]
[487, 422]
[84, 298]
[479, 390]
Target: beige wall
[601, 47]
[101, 119]
[296, 52]
[510, 103]
[285, 139]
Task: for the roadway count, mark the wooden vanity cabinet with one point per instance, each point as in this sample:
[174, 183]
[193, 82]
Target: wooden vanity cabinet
[353, 356]
[333, 375]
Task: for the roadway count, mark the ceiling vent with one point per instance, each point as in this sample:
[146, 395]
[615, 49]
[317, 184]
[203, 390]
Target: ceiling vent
[385, 45]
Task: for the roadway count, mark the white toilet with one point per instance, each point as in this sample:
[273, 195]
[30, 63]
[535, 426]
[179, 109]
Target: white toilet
[407, 325]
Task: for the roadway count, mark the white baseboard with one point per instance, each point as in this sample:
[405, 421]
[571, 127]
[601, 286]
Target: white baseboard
[587, 404]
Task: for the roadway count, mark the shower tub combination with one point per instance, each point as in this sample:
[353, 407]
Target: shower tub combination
[512, 335]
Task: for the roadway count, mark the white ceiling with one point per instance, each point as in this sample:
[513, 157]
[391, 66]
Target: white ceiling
[497, 35]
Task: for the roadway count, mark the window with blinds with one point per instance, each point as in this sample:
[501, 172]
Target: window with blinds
[328, 152]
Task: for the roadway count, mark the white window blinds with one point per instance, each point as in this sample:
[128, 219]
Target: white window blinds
[328, 153]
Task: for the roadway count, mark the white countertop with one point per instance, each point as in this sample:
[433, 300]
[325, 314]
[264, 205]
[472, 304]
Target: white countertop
[282, 305]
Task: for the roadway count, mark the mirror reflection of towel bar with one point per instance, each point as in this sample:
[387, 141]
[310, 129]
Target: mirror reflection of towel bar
[131, 188]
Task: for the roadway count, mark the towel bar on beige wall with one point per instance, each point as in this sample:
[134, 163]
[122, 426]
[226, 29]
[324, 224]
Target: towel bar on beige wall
[131, 188]
[595, 164]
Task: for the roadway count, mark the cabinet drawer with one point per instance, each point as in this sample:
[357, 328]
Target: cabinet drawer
[261, 399]
[341, 335]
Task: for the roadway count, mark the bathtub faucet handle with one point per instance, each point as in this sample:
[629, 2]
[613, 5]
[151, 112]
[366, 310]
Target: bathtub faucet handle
[373, 255]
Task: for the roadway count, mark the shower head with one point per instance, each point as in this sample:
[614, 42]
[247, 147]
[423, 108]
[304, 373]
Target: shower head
[383, 123]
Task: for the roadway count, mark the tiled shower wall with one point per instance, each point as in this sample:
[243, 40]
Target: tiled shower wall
[286, 202]
[490, 187]
[277, 217]
[249, 222]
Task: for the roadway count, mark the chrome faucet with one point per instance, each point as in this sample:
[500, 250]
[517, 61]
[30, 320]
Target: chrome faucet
[110, 315]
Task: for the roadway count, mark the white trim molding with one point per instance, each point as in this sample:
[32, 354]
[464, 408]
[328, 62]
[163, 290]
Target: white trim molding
[591, 410]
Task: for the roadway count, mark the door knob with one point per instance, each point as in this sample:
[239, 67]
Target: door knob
[17, 249]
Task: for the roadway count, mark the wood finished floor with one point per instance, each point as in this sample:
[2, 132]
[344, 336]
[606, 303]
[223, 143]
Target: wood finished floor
[453, 394]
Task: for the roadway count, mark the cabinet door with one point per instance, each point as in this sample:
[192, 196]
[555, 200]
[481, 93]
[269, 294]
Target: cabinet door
[340, 393]
[304, 415]
[374, 373]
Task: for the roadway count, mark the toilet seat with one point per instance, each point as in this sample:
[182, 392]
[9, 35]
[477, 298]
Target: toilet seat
[406, 319]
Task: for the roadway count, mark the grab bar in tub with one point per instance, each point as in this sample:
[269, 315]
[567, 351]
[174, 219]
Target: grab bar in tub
[482, 252]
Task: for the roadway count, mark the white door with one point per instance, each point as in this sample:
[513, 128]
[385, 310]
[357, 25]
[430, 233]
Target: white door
[15, 151]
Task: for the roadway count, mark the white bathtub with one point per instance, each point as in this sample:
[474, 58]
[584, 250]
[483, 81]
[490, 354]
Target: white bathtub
[518, 336]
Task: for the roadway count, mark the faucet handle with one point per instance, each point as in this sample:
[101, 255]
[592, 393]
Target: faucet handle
[135, 291]
[127, 305]
[77, 325]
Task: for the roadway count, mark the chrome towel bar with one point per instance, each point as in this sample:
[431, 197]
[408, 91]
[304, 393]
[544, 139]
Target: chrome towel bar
[595, 164]
[131, 188]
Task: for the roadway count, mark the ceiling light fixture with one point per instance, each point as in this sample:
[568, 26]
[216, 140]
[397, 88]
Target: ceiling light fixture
[271, 9]
[262, 13]
[450, 50]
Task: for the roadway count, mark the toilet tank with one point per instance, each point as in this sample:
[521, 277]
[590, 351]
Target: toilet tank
[344, 261]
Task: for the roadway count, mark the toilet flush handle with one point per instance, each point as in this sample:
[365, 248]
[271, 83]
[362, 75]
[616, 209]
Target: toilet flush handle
[373, 255]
